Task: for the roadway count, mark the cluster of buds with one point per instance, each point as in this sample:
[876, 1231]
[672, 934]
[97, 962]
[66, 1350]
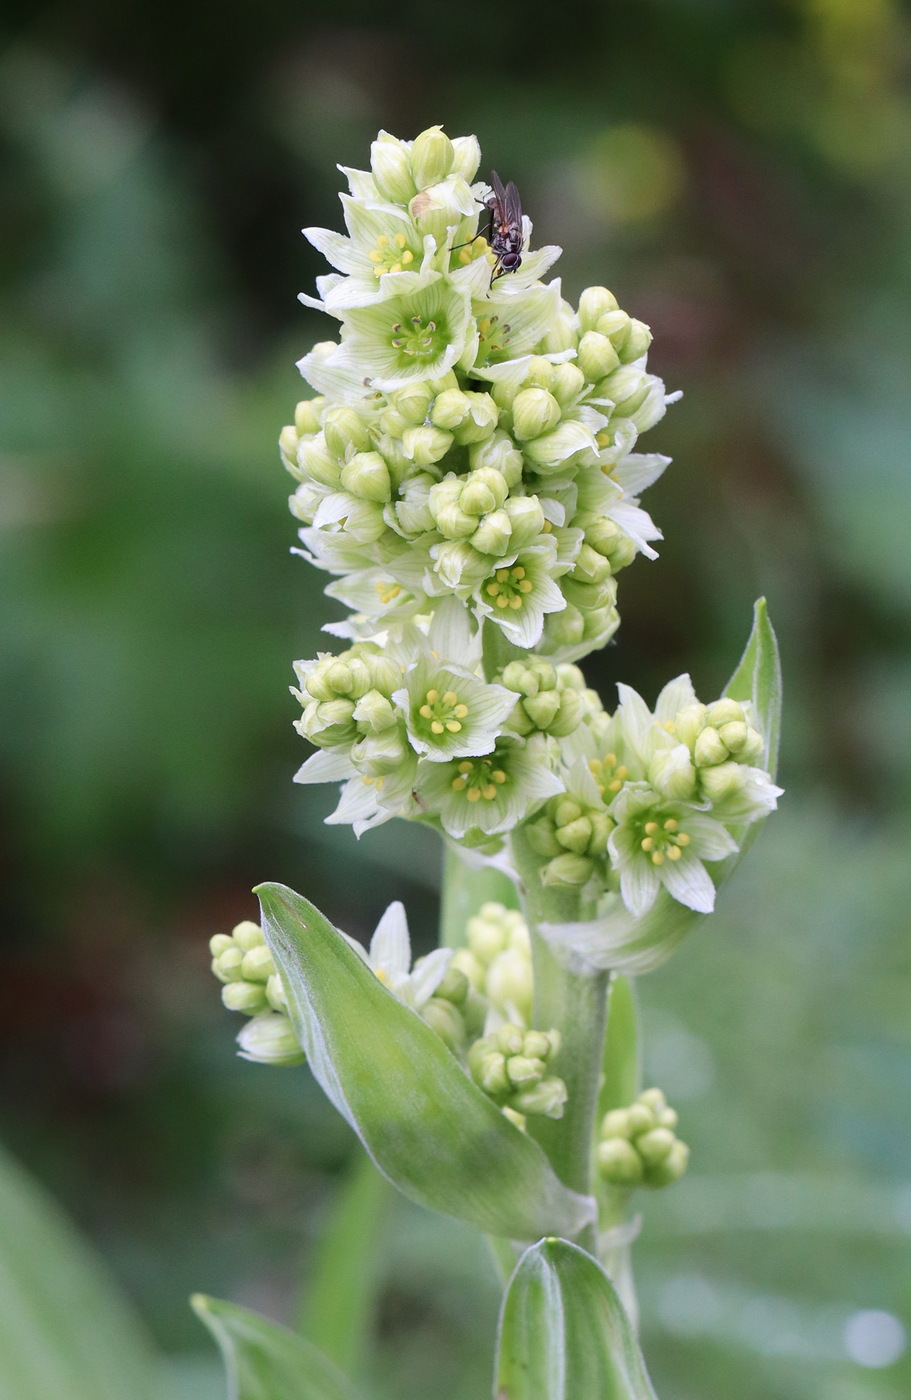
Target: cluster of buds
[511, 1066]
[637, 1146]
[497, 962]
[251, 984]
[552, 699]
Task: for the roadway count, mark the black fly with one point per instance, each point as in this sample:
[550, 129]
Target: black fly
[505, 230]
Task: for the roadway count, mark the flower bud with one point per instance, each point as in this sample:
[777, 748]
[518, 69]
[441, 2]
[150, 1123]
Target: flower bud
[432, 156]
[375, 713]
[482, 490]
[248, 935]
[367, 476]
[470, 965]
[619, 1162]
[689, 722]
[501, 453]
[542, 837]
[307, 415]
[488, 1068]
[640, 1119]
[590, 566]
[543, 1045]
[535, 411]
[426, 445]
[597, 356]
[575, 835]
[510, 982]
[275, 993]
[543, 708]
[672, 773]
[563, 629]
[568, 383]
[438, 208]
[546, 1099]
[523, 1071]
[220, 943]
[540, 372]
[526, 520]
[655, 1145]
[317, 463]
[628, 388]
[228, 964]
[741, 741]
[390, 161]
[709, 748]
[412, 402]
[637, 341]
[567, 870]
[615, 1124]
[287, 446]
[466, 157]
[724, 781]
[446, 1020]
[594, 303]
[257, 965]
[269, 1039]
[248, 997]
[493, 535]
[673, 1166]
[344, 428]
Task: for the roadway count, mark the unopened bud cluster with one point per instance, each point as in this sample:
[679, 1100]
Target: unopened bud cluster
[511, 1066]
[497, 961]
[637, 1146]
[243, 963]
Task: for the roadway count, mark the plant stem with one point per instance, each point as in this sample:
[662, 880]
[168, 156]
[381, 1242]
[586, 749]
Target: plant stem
[465, 889]
[575, 1004]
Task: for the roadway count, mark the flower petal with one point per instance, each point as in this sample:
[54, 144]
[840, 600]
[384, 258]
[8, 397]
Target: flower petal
[690, 884]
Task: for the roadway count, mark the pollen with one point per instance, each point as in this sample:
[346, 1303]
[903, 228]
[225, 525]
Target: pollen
[390, 254]
[509, 587]
[387, 591]
[664, 840]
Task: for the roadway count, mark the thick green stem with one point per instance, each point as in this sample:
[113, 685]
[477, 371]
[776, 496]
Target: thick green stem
[465, 889]
[575, 1004]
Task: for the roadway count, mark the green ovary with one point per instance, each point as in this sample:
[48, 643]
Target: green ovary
[479, 779]
[663, 841]
[508, 588]
[419, 337]
[445, 714]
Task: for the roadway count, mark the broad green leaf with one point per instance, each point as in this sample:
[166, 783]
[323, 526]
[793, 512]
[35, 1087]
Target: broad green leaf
[633, 946]
[340, 1301]
[564, 1334]
[428, 1128]
[266, 1362]
[621, 1063]
[65, 1331]
[758, 678]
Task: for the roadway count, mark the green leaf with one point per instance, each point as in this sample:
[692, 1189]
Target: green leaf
[65, 1331]
[758, 678]
[621, 1063]
[266, 1362]
[428, 1128]
[564, 1334]
[340, 1302]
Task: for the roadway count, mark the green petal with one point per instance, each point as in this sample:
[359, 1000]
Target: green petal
[564, 1334]
[436, 1136]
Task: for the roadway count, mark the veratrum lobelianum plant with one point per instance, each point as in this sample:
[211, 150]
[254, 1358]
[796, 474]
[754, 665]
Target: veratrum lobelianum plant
[468, 475]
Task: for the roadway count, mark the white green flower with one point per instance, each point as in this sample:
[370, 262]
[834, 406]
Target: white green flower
[519, 590]
[656, 842]
[449, 712]
[489, 794]
[415, 335]
[389, 959]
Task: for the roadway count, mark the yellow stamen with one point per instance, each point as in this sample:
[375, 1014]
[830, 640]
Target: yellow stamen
[657, 857]
[466, 765]
[453, 726]
[460, 711]
[651, 828]
[683, 839]
[498, 775]
[436, 727]
[450, 697]
[647, 843]
[671, 824]
[473, 794]
[674, 853]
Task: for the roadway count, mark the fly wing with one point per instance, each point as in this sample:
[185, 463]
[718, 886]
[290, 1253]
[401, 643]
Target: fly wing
[513, 205]
[499, 193]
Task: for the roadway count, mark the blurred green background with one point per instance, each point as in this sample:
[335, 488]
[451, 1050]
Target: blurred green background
[739, 173]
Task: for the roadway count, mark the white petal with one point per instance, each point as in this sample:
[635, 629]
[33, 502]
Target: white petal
[428, 975]
[325, 766]
[635, 716]
[689, 882]
[639, 885]
[638, 524]
[639, 470]
[675, 696]
[711, 840]
[335, 248]
[390, 946]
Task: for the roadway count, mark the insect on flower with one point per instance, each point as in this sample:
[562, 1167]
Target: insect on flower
[505, 228]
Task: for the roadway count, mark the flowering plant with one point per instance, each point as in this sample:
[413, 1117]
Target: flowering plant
[467, 472]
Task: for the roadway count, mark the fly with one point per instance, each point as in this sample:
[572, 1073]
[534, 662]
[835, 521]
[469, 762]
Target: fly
[505, 229]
